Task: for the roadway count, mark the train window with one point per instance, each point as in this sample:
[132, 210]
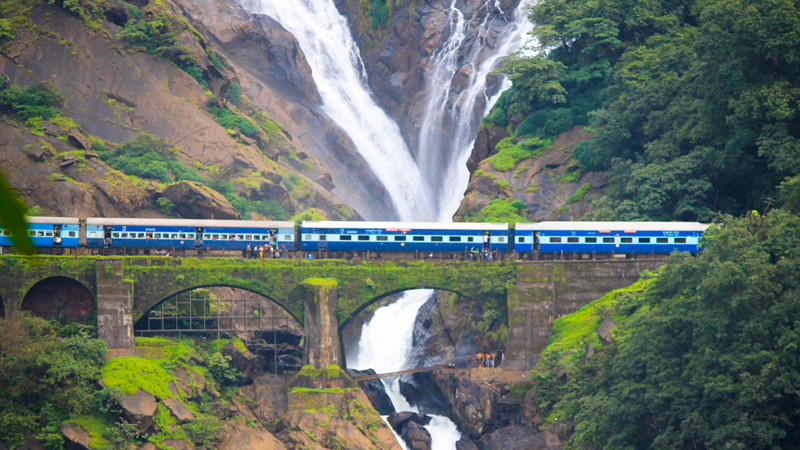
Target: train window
[520, 239]
[157, 235]
[240, 237]
[287, 237]
[662, 240]
[189, 235]
[436, 239]
[399, 238]
[626, 240]
[323, 237]
[48, 234]
[469, 239]
[418, 238]
[552, 239]
[40, 233]
[214, 237]
[206, 236]
[382, 238]
[306, 237]
[363, 238]
[455, 238]
[680, 240]
[182, 235]
[573, 239]
[148, 235]
[8, 233]
[345, 237]
[71, 234]
[124, 235]
[116, 235]
[590, 240]
[501, 239]
[256, 237]
[644, 240]
[608, 240]
[31, 233]
[249, 237]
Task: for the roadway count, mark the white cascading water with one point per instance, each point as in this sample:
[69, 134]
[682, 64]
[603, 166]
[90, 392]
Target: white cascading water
[385, 346]
[450, 123]
[338, 72]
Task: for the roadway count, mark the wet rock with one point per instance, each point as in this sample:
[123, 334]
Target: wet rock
[195, 201]
[78, 140]
[398, 420]
[465, 444]
[51, 129]
[242, 437]
[514, 437]
[179, 410]
[376, 392]
[39, 153]
[269, 393]
[416, 436]
[487, 140]
[300, 429]
[140, 409]
[75, 437]
[473, 406]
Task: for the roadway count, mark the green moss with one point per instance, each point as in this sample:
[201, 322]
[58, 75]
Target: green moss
[131, 374]
[482, 173]
[168, 426]
[534, 187]
[504, 184]
[509, 153]
[520, 169]
[239, 345]
[302, 390]
[96, 425]
[327, 282]
[580, 193]
[332, 371]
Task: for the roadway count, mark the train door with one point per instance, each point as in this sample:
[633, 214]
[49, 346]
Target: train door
[198, 238]
[56, 236]
[107, 236]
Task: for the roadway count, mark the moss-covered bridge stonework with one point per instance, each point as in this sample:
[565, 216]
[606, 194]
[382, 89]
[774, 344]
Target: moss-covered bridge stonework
[323, 295]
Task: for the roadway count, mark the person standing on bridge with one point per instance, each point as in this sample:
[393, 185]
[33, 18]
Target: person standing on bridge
[469, 360]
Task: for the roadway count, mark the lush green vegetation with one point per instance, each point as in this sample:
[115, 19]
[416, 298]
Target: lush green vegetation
[693, 105]
[40, 100]
[48, 374]
[509, 153]
[704, 355]
[150, 157]
[499, 211]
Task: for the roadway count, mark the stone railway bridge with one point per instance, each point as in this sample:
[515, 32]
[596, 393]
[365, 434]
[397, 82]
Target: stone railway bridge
[323, 295]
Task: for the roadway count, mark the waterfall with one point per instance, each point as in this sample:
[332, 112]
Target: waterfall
[452, 117]
[338, 72]
[385, 346]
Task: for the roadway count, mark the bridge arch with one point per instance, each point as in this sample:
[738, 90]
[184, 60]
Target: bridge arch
[185, 290]
[60, 297]
[345, 321]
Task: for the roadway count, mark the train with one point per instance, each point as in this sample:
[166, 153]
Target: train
[135, 236]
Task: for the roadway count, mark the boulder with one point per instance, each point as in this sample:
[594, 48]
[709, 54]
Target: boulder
[179, 410]
[376, 392]
[604, 330]
[473, 407]
[269, 394]
[75, 437]
[51, 129]
[148, 446]
[177, 444]
[416, 436]
[242, 437]
[195, 201]
[398, 420]
[249, 364]
[140, 409]
[465, 444]
[514, 437]
[38, 153]
[78, 140]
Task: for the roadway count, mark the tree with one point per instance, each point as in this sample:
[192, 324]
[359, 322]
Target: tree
[12, 216]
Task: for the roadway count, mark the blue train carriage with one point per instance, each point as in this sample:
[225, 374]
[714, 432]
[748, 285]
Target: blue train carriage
[44, 232]
[402, 236]
[609, 237]
[186, 234]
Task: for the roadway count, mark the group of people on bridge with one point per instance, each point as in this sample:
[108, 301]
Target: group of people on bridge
[486, 360]
[268, 251]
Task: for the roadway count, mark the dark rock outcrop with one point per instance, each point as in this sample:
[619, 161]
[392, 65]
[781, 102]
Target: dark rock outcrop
[515, 437]
[75, 437]
[376, 392]
[195, 201]
[181, 413]
[400, 419]
[139, 409]
[268, 392]
[473, 406]
[416, 436]
[465, 444]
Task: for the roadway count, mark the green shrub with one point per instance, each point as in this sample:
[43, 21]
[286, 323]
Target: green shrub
[205, 430]
[499, 211]
[39, 101]
[509, 154]
[234, 93]
[229, 119]
[580, 193]
[220, 368]
[496, 118]
[151, 157]
[312, 214]
[379, 13]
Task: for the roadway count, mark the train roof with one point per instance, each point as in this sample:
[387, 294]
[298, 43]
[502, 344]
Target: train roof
[54, 220]
[613, 226]
[408, 225]
[191, 223]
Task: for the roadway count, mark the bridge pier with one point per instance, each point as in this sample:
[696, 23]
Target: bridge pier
[114, 308]
[320, 323]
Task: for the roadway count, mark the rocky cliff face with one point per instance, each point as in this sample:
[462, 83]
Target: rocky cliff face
[546, 178]
[398, 55]
[114, 90]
